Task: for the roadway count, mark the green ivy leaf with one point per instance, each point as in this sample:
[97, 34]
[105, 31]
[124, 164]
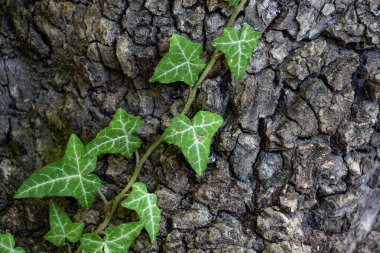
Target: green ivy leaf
[92, 243]
[7, 244]
[61, 227]
[118, 138]
[122, 236]
[238, 48]
[117, 239]
[233, 2]
[181, 63]
[145, 205]
[69, 176]
[194, 137]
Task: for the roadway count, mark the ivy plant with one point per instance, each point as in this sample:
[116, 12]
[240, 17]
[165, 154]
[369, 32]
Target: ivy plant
[7, 244]
[119, 138]
[181, 63]
[194, 136]
[233, 2]
[117, 239]
[62, 227]
[238, 47]
[145, 205]
[73, 175]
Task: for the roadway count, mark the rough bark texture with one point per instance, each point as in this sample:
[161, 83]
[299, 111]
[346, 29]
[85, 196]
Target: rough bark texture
[295, 167]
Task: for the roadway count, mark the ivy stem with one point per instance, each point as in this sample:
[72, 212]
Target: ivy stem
[216, 55]
[194, 90]
[238, 9]
[79, 249]
[68, 248]
[104, 199]
[120, 196]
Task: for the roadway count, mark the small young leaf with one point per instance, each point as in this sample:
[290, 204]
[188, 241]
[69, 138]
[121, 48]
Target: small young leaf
[194, 137]
[238, 48]
[117, 240]
[7, 244]
[69, 176]
[181, 63]
[233, 2]
[145, 205]
[61, 227]
[118, 138]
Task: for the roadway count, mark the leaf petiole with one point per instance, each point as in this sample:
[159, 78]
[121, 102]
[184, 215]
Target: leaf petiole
[104, 199]
[120, 196]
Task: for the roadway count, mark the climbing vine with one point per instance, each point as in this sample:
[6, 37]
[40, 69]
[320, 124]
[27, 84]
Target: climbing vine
[73, 176]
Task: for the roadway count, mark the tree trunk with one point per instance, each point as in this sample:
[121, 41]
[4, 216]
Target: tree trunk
[295, 168]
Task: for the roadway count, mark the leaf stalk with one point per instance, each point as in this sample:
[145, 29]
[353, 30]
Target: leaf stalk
[216, 55]
[104, 199]
[120, 196]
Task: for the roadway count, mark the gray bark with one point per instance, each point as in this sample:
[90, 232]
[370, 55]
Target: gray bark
[296, 166]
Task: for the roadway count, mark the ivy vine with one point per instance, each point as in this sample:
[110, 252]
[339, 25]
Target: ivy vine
[73, 176]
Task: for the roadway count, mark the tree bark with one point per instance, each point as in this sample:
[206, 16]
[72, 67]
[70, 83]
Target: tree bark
[295, 168]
